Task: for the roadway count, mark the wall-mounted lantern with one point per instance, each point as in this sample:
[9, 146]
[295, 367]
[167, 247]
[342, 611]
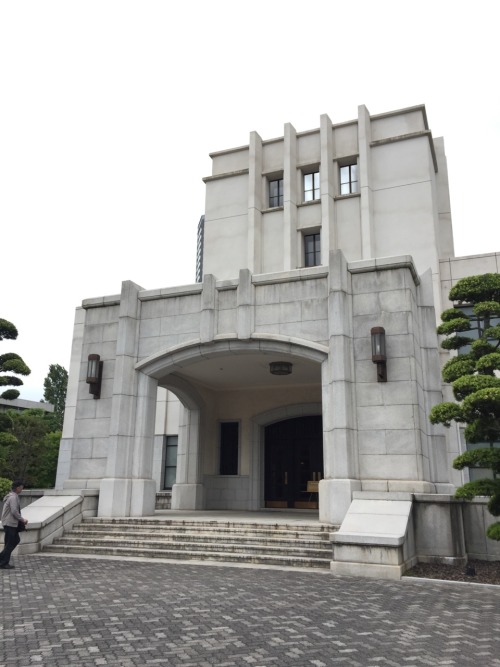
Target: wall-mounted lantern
[94, 375]
[378, 353]
[280, 368]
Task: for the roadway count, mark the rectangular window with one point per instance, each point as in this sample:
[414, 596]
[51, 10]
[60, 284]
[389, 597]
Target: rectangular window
[477, 473]
[311, 186]
[229, 444]
[276, 193]
[476, 326]
[349, 179]
[170, 461]
[312, 249]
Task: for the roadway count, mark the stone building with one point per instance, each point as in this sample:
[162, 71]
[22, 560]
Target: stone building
[257, 388]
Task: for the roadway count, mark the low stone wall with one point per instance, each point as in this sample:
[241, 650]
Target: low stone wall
[51, 514]
[163, 500]
[450, 530]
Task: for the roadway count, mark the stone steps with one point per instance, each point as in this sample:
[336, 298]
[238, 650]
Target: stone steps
[306, 545]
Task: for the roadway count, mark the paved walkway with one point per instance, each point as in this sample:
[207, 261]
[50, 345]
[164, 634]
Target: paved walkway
[62, 611]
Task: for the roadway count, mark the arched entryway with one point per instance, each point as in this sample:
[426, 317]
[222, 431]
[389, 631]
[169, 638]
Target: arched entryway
[293, 462]
[232, 381]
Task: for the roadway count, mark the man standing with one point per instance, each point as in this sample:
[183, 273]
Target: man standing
[11, 517]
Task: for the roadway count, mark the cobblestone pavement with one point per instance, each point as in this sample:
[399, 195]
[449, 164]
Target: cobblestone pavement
[78, 611]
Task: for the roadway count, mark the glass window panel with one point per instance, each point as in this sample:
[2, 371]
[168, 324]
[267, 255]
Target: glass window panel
[308, 195]
[229, 437]
[316, 180]
[354, 172]
[170, 475]
[344, 189]
[171, 458]
[308, 181]
[344, 175]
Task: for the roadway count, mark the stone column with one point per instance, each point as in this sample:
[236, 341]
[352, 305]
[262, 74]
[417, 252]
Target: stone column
[340, 447]
[187, 492]
[115, 498]
[143, 492]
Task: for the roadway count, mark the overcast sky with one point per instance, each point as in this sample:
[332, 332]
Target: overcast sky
[108, 111]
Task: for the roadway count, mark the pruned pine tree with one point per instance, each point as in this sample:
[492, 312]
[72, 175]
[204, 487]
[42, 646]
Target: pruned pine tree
[472, 328]
[10, 363]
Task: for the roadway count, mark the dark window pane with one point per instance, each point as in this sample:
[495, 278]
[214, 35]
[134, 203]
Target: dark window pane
[312, 250]
[170, 469]
[170, 474]
[229, 436]
[276, 193]
[171, 457]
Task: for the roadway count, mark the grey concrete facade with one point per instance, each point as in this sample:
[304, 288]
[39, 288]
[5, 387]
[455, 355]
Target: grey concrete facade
[386, 259]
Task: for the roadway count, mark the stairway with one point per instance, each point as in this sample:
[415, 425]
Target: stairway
[280, 544]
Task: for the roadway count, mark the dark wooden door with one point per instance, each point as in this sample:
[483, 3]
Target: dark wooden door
[293, 457]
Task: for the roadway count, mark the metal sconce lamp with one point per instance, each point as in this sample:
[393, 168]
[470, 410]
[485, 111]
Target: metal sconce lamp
[94, 374]
[280, 368]
[378, 353]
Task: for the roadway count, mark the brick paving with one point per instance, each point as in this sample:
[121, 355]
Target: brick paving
[80, 611]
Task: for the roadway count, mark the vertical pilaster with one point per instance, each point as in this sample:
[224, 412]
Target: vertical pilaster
[207, 323]
[328, 228]
[246, 305]
[65, 448]
[341, 468]
[290, 199]
[255, 196]
[187, 492]
[143, 493]
[116, 488]
[364, 176]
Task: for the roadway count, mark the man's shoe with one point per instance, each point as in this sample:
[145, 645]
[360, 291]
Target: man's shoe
[7, 567]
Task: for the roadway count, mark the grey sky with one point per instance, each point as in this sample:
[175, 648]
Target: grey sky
[109, 109]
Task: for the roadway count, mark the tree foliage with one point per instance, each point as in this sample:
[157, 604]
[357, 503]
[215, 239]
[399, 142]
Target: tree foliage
[475, 381]
[31, 452]
[54, 390]
[10, 363]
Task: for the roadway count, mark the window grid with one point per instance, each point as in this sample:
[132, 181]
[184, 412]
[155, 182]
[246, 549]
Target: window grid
[312, 249]
[170, 470]
[276, 193]
[311, 186]
[348, 179]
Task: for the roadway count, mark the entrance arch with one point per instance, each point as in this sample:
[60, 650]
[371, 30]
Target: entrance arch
[187, 368]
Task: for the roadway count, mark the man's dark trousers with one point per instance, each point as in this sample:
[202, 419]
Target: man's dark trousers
[12, 539]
